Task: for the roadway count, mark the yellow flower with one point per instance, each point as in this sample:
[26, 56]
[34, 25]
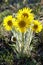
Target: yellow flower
[25, 12]
[21, 24]
[37, 26]
[8, 23]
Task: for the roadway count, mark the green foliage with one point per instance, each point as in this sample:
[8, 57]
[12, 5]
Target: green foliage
[4, 13]
[6, 56]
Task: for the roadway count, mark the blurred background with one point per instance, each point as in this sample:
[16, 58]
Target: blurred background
[7, 55]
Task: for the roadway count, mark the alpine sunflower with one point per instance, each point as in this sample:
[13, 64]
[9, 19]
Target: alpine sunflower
[8, 23]
[22, 24]
[25, 13]
[37, 26]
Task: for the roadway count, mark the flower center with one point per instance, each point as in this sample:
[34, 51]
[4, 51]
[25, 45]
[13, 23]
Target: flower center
[22, 24]
[35, 26]
[9, 23]
[25, 14]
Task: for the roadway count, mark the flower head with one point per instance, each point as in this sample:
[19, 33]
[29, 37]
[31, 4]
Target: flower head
[25, 13]
[37, 26]
[22, 24]
[13, 39]
[8, 23]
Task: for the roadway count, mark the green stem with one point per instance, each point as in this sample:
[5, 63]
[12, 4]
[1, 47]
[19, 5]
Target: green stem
[23, 38]
[22, 48]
